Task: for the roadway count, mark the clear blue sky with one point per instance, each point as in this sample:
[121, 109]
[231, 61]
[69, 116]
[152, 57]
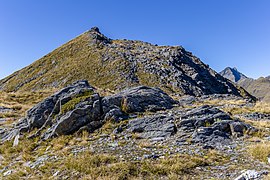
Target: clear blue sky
[221, 32]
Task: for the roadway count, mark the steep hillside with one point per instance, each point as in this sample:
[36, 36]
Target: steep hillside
[117, 64]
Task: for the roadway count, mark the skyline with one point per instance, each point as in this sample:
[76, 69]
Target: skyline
[234, 34]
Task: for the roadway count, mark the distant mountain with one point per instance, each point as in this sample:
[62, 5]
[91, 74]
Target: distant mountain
[232, 74]
[257, 87]
[118, 64]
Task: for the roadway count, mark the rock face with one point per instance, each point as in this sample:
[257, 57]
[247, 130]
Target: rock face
[43, 111]
[209, 124]
[120, 64]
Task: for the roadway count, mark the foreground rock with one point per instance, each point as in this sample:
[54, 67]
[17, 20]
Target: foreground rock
[251, 175]
[79, 106]
[159, 126]
[138, 99]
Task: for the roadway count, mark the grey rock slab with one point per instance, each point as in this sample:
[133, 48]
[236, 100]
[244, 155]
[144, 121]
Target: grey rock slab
[153, 127]
[138, 99]
[251, 175]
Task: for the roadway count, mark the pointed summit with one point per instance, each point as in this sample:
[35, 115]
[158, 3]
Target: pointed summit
[95, 29]
[232, 74]
[115, 65]
[97, 37]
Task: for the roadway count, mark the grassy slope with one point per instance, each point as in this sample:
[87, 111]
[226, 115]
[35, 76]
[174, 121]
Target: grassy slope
[72, 61]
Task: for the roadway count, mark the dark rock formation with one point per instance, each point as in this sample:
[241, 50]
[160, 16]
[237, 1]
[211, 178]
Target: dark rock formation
[45, 110]
[201, 117]
[79, 107]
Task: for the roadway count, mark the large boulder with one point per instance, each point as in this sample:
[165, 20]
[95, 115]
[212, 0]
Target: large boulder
[87, 112]
[40, 113]
[138, 99]
[149, 127]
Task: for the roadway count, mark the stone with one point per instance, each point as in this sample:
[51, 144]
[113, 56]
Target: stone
[138, 99]
[16, 140]
[5, 109]
[115, 115]
[250, 175]
[85, 113]
[238, 128]
[201, 117]
[153, 127]
[7, 173]
[43, 111]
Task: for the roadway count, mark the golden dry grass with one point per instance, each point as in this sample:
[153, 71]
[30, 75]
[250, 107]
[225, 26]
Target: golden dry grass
[260, 107]
[260, 150]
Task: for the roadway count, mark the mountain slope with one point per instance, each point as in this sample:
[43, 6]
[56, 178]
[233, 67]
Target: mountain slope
[256, 87]
[232, 74]
[118, 64]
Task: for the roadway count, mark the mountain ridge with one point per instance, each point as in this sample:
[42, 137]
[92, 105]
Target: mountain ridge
[256, 87]
[119, 64]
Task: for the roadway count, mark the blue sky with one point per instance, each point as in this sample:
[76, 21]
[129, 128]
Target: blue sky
[221, 33]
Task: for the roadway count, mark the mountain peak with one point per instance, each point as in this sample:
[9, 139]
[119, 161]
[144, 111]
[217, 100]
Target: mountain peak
[97, 37]
[95, 29]
[115, 65]
[232, 74]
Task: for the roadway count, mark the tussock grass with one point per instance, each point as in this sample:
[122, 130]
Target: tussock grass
[259, 107]
[223, 102]
[19, 103]
[259, 150]
[104, 166]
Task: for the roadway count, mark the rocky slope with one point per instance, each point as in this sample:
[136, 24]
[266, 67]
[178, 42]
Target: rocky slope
[256, 87]
[143, 112]
[79, 107]
[118, 64]
[192, 137]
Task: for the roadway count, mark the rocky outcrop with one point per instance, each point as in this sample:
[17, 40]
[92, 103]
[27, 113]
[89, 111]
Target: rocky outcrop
[79, 106]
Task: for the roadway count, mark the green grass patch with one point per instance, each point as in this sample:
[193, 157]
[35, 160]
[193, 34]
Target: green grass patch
[70, 105]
